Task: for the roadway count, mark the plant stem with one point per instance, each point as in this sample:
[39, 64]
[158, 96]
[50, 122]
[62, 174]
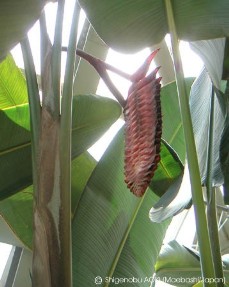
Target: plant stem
[95, 62]
[211, 204]
[33, 93]
[82, 42]
[210, 148]
[34, 104]
[214, 238]
[56, 55]
[65, 148]
[197, 197]
[101, 66]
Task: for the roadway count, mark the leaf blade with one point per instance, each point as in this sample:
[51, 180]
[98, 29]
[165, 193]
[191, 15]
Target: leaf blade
[109, 224]
[172, 130]
[15, 21]
[13, 89]
[139, 24]
[92, 117]
[17, 210]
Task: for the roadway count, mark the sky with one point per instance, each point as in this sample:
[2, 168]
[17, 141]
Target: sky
[191, 63]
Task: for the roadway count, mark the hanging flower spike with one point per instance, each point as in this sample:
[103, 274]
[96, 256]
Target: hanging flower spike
[142, 114]
[143, 129]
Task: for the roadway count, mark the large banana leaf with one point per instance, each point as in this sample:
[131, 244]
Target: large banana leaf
[172, 130]
[124, 217]
[17, 210]
[129, 25]
[200, 99]
[112, 234]
[169, 170]
[212, 53]
[16, 17]
[117, 201]
[180, 266]
[13, 90]
[224, 153]
[177, 266]
[13, 108]
[92, 116]
[176, 198]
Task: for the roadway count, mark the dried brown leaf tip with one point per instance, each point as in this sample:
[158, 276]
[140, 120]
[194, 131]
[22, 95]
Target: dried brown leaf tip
[143, 128]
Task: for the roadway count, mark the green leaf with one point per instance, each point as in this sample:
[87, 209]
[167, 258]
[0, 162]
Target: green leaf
[172, 130]
[200, 98]
[13, 108]
[173, 199]
[224, 151]
[128, 25]
[17, 210]
[13, 91]
[169, 169]
[112, 234]
[212, 54]
[180, 266]
[92, 116]
[201, 284]
[225, 73]
[16, 17]
[176, 198]
[82, 168]
[15, 21]
[15, 153]
[177, 266]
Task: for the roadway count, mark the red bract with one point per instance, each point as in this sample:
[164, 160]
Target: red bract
[142, 113]
[143, 129]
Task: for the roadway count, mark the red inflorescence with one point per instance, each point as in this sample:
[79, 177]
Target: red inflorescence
[143, 129]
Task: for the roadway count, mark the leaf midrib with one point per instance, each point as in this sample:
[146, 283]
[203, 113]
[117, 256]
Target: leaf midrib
[180, 270]
[28, 143]
[14, 106]
[124, 239]
[173, 137]
[18, 147]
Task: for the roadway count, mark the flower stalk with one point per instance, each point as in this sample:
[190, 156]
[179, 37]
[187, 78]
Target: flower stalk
[197, 196]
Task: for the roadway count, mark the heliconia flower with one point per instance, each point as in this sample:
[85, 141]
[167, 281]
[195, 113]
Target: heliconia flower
[143, 129]
[143, 123]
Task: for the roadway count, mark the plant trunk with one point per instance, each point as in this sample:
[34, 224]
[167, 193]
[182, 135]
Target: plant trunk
[48, 255]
